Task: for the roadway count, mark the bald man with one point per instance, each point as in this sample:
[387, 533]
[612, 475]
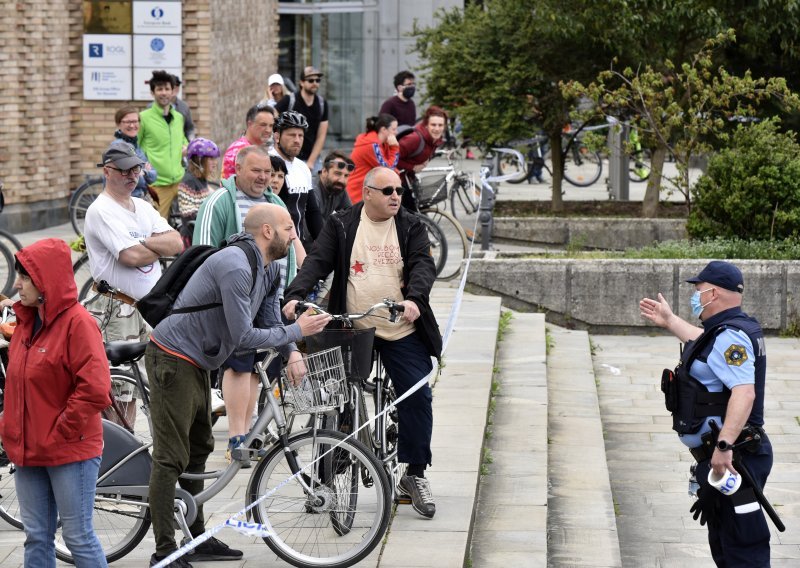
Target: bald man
[185, 346]
[377, 249]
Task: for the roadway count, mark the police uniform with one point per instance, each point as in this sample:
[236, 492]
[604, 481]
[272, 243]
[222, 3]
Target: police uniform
[730, 353]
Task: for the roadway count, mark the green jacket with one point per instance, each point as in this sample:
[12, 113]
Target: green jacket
[163, 143]
[219, 218]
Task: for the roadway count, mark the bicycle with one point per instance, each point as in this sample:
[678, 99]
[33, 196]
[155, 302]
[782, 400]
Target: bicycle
[9, 507]
[9, 245]
[581, 166]
[318, 514]
[81, 199]
[639, 163]
[381, 433]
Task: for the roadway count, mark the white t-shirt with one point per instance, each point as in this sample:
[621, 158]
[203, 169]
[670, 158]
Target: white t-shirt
[109, 229]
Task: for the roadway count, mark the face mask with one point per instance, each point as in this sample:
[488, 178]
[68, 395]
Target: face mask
[696, 304]
[408, 92]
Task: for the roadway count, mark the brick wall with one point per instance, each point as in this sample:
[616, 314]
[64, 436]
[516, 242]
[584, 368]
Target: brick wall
[50, 138]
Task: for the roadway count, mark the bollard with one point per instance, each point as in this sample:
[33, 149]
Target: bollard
[487, 202]
[618, 162]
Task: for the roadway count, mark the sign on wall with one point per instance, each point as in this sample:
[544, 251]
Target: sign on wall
[124, 42]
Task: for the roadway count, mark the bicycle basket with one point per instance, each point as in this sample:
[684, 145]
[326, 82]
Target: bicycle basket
[356, 347]
[430, 189]
[323, 386]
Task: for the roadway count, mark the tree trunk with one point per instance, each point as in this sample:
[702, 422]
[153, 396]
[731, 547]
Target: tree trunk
[558, 172]
[653, 192]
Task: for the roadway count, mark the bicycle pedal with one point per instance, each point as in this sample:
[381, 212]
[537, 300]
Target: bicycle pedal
[402, 500]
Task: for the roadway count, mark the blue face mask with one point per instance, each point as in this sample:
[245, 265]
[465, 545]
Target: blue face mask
[696, 303]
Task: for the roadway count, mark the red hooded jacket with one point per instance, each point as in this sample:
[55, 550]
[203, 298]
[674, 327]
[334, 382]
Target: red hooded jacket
[368, 153]
[57, 380]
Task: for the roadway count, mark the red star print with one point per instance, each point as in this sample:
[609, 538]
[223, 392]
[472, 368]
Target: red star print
[358, 267]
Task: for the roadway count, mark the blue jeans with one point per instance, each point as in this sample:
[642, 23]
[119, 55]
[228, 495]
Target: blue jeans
[44, 494]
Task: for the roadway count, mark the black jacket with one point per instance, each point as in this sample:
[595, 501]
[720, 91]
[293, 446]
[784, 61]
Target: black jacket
[332, 254]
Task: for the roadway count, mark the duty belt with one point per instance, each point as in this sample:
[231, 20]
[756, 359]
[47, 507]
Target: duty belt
[709, 442]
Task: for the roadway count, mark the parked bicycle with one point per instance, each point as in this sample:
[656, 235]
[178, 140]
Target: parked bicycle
[81, 199]
[318, 512]
[582, 165]
[9, 245]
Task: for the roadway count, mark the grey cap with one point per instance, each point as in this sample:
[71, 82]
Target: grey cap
[122, 155]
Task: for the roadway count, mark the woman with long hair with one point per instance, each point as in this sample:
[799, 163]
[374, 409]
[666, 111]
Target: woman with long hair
[376, 147]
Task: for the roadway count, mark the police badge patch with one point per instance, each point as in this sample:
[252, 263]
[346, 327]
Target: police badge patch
[736, 355]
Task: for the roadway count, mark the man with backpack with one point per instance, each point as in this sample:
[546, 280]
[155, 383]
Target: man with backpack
[315, 108]
[219, 311]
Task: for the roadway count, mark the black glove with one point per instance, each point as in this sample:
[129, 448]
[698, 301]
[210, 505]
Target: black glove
[706, 508]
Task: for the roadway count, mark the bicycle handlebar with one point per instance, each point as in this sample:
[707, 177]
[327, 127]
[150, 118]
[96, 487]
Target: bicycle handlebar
[394, 310]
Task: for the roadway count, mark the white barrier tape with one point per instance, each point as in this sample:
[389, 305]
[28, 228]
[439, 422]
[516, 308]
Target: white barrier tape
[265, 530]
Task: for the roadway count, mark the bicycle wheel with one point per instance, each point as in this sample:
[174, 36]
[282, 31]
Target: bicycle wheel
[9, 506]
[131, 410]
[120, 523]
[83, 276]
[456, 241]
[639, 167]
[7, 273]
[304, 532]
[582, 166]
[80, 201]
[438, 241]
[510, 164]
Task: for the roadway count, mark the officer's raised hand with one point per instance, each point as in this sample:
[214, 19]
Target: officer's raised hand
[657, 311]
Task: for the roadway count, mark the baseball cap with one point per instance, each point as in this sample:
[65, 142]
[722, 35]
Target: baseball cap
[275, 78]
[722, 274]
[310, 71]
[122, 155]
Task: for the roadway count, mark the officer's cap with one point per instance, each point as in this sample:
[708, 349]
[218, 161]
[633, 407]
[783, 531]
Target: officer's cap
[722, 274]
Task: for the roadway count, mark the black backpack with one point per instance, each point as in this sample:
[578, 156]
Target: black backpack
[157, 304]
[403, 131]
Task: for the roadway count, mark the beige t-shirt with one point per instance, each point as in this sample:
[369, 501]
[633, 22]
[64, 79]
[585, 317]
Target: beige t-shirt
[376, 272]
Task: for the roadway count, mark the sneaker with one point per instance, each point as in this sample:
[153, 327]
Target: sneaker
[214, 549]
[217, 404]
[419, 489]
[233, 442]
[179, 563]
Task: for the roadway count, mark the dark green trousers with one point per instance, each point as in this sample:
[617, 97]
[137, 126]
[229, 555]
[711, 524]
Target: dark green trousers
[182, 438]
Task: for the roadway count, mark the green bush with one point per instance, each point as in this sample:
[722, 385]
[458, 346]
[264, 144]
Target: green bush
[751, 189]
[721, 248]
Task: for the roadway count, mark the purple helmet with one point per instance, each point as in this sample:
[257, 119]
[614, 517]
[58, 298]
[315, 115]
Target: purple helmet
[202, 148]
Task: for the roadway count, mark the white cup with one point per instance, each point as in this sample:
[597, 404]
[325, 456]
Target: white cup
[727, 484]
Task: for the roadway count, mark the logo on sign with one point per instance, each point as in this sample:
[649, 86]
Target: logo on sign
[96, 76]
[95, 50]
[157, 13]
[157, 44]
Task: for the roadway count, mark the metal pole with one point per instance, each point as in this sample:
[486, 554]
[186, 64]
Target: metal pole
[618, 162]
[487, 203]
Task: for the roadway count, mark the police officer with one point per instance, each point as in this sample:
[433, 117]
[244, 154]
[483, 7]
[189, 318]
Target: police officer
[723, 365]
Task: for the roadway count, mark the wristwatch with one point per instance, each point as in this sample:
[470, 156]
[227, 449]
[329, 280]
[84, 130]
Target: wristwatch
[724, 446]
[142, 242]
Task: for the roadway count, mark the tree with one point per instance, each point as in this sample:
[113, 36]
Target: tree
[498, 65]
[685, 108]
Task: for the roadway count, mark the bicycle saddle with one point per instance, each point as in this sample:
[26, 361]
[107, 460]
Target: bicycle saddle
[120, 352]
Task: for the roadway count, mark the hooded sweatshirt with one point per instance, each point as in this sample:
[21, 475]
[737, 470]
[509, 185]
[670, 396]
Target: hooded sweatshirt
[58, 378]
[368, 153]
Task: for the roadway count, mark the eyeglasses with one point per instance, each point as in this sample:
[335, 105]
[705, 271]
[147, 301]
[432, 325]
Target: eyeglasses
[314, 80]
[136, 170]
[129, 122]
[340, 165]
[388, 190]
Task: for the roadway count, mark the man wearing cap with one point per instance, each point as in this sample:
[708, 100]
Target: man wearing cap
[275, 92]
[721, 379]
[125, 237]
[315, 108]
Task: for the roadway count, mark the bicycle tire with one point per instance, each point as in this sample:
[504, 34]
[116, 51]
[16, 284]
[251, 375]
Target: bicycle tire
[510, 164]
[465, 197]
[438, 240]
[80, 201]
[457, 244]
[120, 526]
[9, 506]
[131, 401]
[303, 534]
[7, 273]
[582, 166]
[639, 167]
[10, 239]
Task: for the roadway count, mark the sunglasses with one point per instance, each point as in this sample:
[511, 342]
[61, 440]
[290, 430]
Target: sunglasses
[388, 190]
[314, 80]
[340, 165]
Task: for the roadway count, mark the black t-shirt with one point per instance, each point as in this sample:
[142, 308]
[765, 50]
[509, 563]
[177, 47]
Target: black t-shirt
[312, 115]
